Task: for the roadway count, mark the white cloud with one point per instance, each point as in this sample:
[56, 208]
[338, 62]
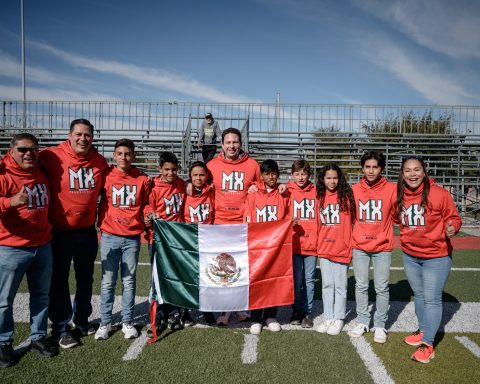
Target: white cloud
[448, 27]
[157, 78]
[50, 94]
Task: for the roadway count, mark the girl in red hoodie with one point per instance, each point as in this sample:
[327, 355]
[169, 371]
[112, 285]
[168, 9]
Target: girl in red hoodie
[337, 212]
[428, 218]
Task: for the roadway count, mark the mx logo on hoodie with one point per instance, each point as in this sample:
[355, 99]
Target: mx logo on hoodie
[330, 214]
[234, 181]
[125, 196]
[37, 196]
[304, 209]
[413, 216]
[81, 179]
[173, 205]
[371, 210]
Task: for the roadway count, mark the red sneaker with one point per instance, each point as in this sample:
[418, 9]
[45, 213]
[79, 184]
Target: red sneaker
[424, 353]
[414, 339]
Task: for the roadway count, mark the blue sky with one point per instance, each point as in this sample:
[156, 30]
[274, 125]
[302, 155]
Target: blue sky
[311, 51]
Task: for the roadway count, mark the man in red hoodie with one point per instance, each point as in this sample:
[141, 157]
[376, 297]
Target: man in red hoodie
[372, 240]
[74, 170]
[24, 245]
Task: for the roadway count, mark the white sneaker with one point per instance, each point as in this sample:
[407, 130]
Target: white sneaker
[358, 330]
[103, 332]
[273, 325]
[380, 335]
[335, 328]
[255, 328]
[129, 331]
[322, 328]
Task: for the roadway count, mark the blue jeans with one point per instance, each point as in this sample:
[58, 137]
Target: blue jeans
[36, 262]
[334, 289]
[115, 250]
[427, 277]
[304, 268]
[381, 274]
[81, 246]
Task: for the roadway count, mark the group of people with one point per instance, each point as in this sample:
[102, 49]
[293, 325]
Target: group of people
[48, 213]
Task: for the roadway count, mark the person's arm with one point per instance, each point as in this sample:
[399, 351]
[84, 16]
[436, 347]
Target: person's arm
[201, 134]
[451, 218]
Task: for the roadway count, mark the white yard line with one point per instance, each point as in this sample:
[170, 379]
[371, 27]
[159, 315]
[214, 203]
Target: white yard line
[373, 363]
[469, 344]
[249, 352]
[136, 347]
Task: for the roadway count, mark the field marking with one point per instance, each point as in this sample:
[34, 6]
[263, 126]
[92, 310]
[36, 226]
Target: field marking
[372, 362]
[469, 344]
[249, 352]
[136, 347]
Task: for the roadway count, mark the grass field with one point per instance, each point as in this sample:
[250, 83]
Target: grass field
[221, 355]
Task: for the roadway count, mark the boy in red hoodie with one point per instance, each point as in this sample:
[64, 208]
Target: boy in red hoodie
[75, 174]
[266, 204]
[124, 196]
[25, 248]
[372, 240]
[303, 210]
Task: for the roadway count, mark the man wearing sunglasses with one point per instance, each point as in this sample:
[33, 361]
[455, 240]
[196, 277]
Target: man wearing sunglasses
[75, 172]
[24, 245]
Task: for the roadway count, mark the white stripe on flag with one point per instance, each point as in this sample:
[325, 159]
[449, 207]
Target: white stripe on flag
[156, 282]
[230, 292]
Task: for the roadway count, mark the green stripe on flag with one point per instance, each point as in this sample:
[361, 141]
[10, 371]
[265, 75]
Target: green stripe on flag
[177, 262]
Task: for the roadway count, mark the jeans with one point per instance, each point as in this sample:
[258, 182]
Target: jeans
[115, 250]
[334, 289]
[381, 273]
[81, 246]
[36, 262]
[427, 277]
[304, 268]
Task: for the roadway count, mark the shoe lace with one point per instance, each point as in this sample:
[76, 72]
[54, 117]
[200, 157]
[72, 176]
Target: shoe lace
[417, 332]
[423, 347]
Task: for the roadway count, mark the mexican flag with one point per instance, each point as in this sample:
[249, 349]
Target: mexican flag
[228, 267]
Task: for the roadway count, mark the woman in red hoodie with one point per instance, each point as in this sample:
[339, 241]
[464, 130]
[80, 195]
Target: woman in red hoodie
[428, 218]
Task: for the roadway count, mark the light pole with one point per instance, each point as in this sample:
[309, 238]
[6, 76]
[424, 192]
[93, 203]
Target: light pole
[24, 87]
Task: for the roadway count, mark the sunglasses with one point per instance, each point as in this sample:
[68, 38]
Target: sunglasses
[27, 149]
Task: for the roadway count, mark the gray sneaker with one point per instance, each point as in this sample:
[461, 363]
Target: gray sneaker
[103, 332]
[67, 341]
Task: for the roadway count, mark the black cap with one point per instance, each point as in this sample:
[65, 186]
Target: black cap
[208, 116]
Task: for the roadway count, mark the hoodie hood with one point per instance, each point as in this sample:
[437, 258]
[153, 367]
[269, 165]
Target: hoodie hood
[292, 186]
[417, 192]
[376, 187]
[241, 158]
[13, 168]
[66, 147]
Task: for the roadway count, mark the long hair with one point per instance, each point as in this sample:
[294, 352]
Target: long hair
[401, 185]
[346, 200]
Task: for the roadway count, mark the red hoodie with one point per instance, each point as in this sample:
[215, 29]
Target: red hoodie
[231, 179]
[26, 225]
[263, 206]
[304, 208]
[373, 230]
[335, 231]
[422, 231]
[199, 208]
[124, 196]
[167, 200]
[75, 184]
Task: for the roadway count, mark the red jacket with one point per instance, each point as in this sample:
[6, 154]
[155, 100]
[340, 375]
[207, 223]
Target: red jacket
[422, 232]
[263, 206]
[26, 225]
[75, 184]
[335, 231]
[373, 229]
[231, 180]
[124, 197]
[304, 208]
[199, 208]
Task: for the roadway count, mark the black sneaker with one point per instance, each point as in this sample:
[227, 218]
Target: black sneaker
[67, 341]
[85, 330]
[187, 319]
[7, 356]
[307, 322]
[160, 327]
[44, 347]
[175, 320]
[209, 318]
[296, 318]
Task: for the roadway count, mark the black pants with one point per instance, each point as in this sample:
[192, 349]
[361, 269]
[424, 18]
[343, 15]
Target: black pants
[208, 152]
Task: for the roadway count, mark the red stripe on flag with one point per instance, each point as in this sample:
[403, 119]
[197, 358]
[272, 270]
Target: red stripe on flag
[270, 263]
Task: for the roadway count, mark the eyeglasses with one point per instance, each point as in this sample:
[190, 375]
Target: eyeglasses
[27, 149]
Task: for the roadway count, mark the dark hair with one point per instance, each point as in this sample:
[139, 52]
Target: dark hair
[197, 164]
[81, 121]
[345, 197]
[401, 185]
[167, 157]
[235, 131]
[300, 164]
[269, 165]
[125, 143]
[23, 136]
[374, 155]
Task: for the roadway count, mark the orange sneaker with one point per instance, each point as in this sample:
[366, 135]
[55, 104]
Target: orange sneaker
[414, 339]
[424, 353]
